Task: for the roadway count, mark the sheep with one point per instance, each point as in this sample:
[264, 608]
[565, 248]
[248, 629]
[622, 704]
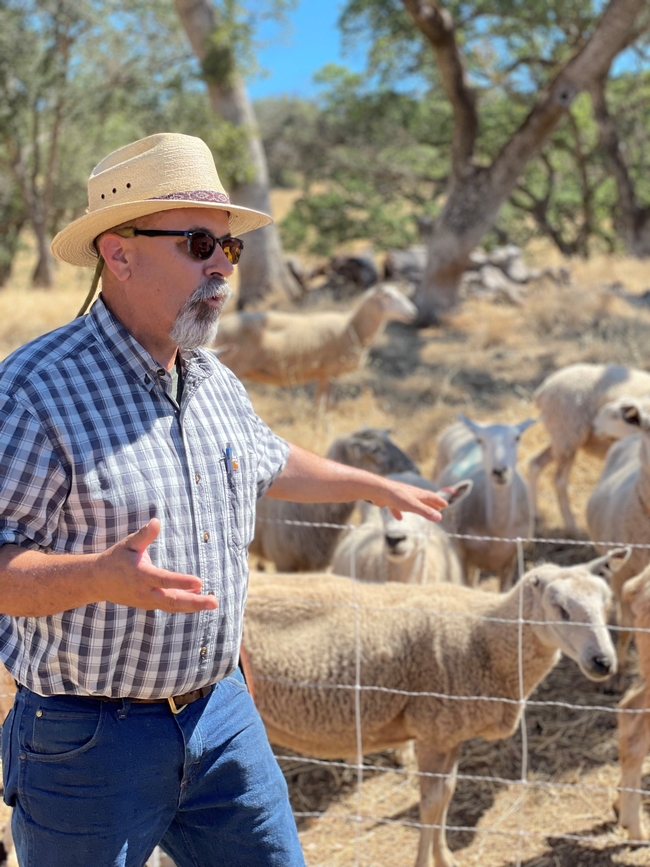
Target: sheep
[411, 550]
[618, 509]
[294, 348]
[295, 548]
[633, 716]
[569, 400]
[419, 652]
[498, 503]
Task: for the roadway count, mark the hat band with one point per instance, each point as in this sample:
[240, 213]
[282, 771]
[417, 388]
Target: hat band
[195, 196]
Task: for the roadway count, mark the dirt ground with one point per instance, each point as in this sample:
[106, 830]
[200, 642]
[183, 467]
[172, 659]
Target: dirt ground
[485, 361]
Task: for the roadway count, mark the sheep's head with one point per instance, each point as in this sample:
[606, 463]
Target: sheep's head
[403, 539]
[622, 417]
[370, 449]
[571, 607]
[498, 443]
[394, 304]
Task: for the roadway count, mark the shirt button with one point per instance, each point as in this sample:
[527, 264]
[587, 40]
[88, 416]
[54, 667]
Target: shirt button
[197, 477]
[206, 536]
[39, 713]
[203, 652]
[161, 371]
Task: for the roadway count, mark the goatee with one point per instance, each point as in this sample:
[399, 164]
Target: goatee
[197, 322]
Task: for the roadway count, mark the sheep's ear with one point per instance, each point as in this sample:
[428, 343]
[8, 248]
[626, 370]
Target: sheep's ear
[476, 429]
[610, 563]
[631, 414]
[456, 493]
[538, 580]
[524, 425]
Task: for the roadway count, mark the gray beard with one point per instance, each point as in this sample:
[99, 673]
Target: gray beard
[197, 323]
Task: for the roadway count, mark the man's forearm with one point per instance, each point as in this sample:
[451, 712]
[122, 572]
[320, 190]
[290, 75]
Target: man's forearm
[308, 478]
[34, 584]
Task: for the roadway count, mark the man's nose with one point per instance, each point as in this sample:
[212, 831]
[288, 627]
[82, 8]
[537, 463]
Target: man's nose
[219, 264]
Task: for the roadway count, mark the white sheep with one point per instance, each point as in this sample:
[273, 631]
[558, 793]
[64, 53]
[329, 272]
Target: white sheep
[634, 713]
[569, 400]
[498, 504]
[300, 547]
[293, 348]
[412, 550]
[618, 509]
[420, 652]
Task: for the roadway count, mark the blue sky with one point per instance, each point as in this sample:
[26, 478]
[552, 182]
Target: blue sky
[292, 55]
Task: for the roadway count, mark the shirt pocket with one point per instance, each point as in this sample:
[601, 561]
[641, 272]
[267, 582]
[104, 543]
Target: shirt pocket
[241, 490]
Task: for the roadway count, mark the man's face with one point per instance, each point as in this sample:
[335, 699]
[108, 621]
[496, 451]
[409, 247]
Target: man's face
[179, 294]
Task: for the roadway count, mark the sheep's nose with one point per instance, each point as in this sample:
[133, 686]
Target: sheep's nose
[500, 473]
[601, 665]
[394, 541]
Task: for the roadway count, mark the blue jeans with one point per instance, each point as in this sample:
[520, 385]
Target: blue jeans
[100, 784]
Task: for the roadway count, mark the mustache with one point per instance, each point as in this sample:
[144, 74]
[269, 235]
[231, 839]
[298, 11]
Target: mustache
[211, 288]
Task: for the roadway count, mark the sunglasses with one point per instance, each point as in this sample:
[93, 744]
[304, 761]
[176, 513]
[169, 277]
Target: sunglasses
[200, 242]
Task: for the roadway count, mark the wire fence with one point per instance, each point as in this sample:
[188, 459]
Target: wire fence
[362, 770]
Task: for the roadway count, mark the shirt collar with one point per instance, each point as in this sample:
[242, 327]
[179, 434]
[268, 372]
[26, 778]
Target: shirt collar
[134, 357]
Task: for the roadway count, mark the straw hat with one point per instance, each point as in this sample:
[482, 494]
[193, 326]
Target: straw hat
[157, 173]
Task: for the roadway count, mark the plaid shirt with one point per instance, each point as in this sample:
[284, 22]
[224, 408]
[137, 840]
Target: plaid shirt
[93, 445]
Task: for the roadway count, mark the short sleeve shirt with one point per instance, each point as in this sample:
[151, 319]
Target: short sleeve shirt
[93, 445]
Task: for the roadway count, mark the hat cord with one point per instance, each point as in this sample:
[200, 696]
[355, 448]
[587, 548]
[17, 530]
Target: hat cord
[93, 286]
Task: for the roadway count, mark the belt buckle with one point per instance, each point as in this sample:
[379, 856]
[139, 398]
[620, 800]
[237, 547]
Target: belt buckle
[174, 707]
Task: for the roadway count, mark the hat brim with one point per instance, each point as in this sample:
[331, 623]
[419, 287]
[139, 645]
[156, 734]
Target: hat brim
[75, 243]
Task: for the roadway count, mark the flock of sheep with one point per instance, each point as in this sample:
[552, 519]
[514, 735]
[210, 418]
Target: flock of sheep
[386, 637]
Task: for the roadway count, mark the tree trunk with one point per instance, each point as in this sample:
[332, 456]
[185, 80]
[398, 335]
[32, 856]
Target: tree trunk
[262, 270]
[476, 194]
[635, 219]
[42, 274]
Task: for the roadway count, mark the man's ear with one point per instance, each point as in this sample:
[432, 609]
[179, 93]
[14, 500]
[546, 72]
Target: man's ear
[113, 248]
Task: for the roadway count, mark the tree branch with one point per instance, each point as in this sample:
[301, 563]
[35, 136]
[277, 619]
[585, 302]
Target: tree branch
[610, 36]
[611, 145]
[437, 26]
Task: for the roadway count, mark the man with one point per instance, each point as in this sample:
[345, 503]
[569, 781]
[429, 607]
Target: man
[131, 461]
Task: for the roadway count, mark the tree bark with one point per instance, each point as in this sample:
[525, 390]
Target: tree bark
[476, 194]
[635, 218]
[262, 269]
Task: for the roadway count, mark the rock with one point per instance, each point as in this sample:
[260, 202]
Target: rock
[359, 270]
[496, 282]
[517, 270]
[406, 264]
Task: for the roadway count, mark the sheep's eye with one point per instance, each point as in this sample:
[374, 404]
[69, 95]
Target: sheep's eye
[564, 614]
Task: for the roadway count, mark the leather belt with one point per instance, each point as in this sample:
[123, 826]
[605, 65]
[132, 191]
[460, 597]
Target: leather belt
[177, 703]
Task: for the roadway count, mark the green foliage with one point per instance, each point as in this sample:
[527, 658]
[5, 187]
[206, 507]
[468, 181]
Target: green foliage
[381, 156]
[379, 145]
[79, 78]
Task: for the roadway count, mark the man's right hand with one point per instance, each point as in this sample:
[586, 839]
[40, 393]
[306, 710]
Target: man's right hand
[125, 575]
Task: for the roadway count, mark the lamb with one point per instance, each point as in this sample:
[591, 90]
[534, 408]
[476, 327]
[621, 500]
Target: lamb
[633, 723]
[293, 348]
[618, 509]
[569, 400]
[420, 649]
[411, 550]
[498, 503]
[296, 548]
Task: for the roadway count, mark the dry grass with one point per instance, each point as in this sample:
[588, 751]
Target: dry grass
[486, 361]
